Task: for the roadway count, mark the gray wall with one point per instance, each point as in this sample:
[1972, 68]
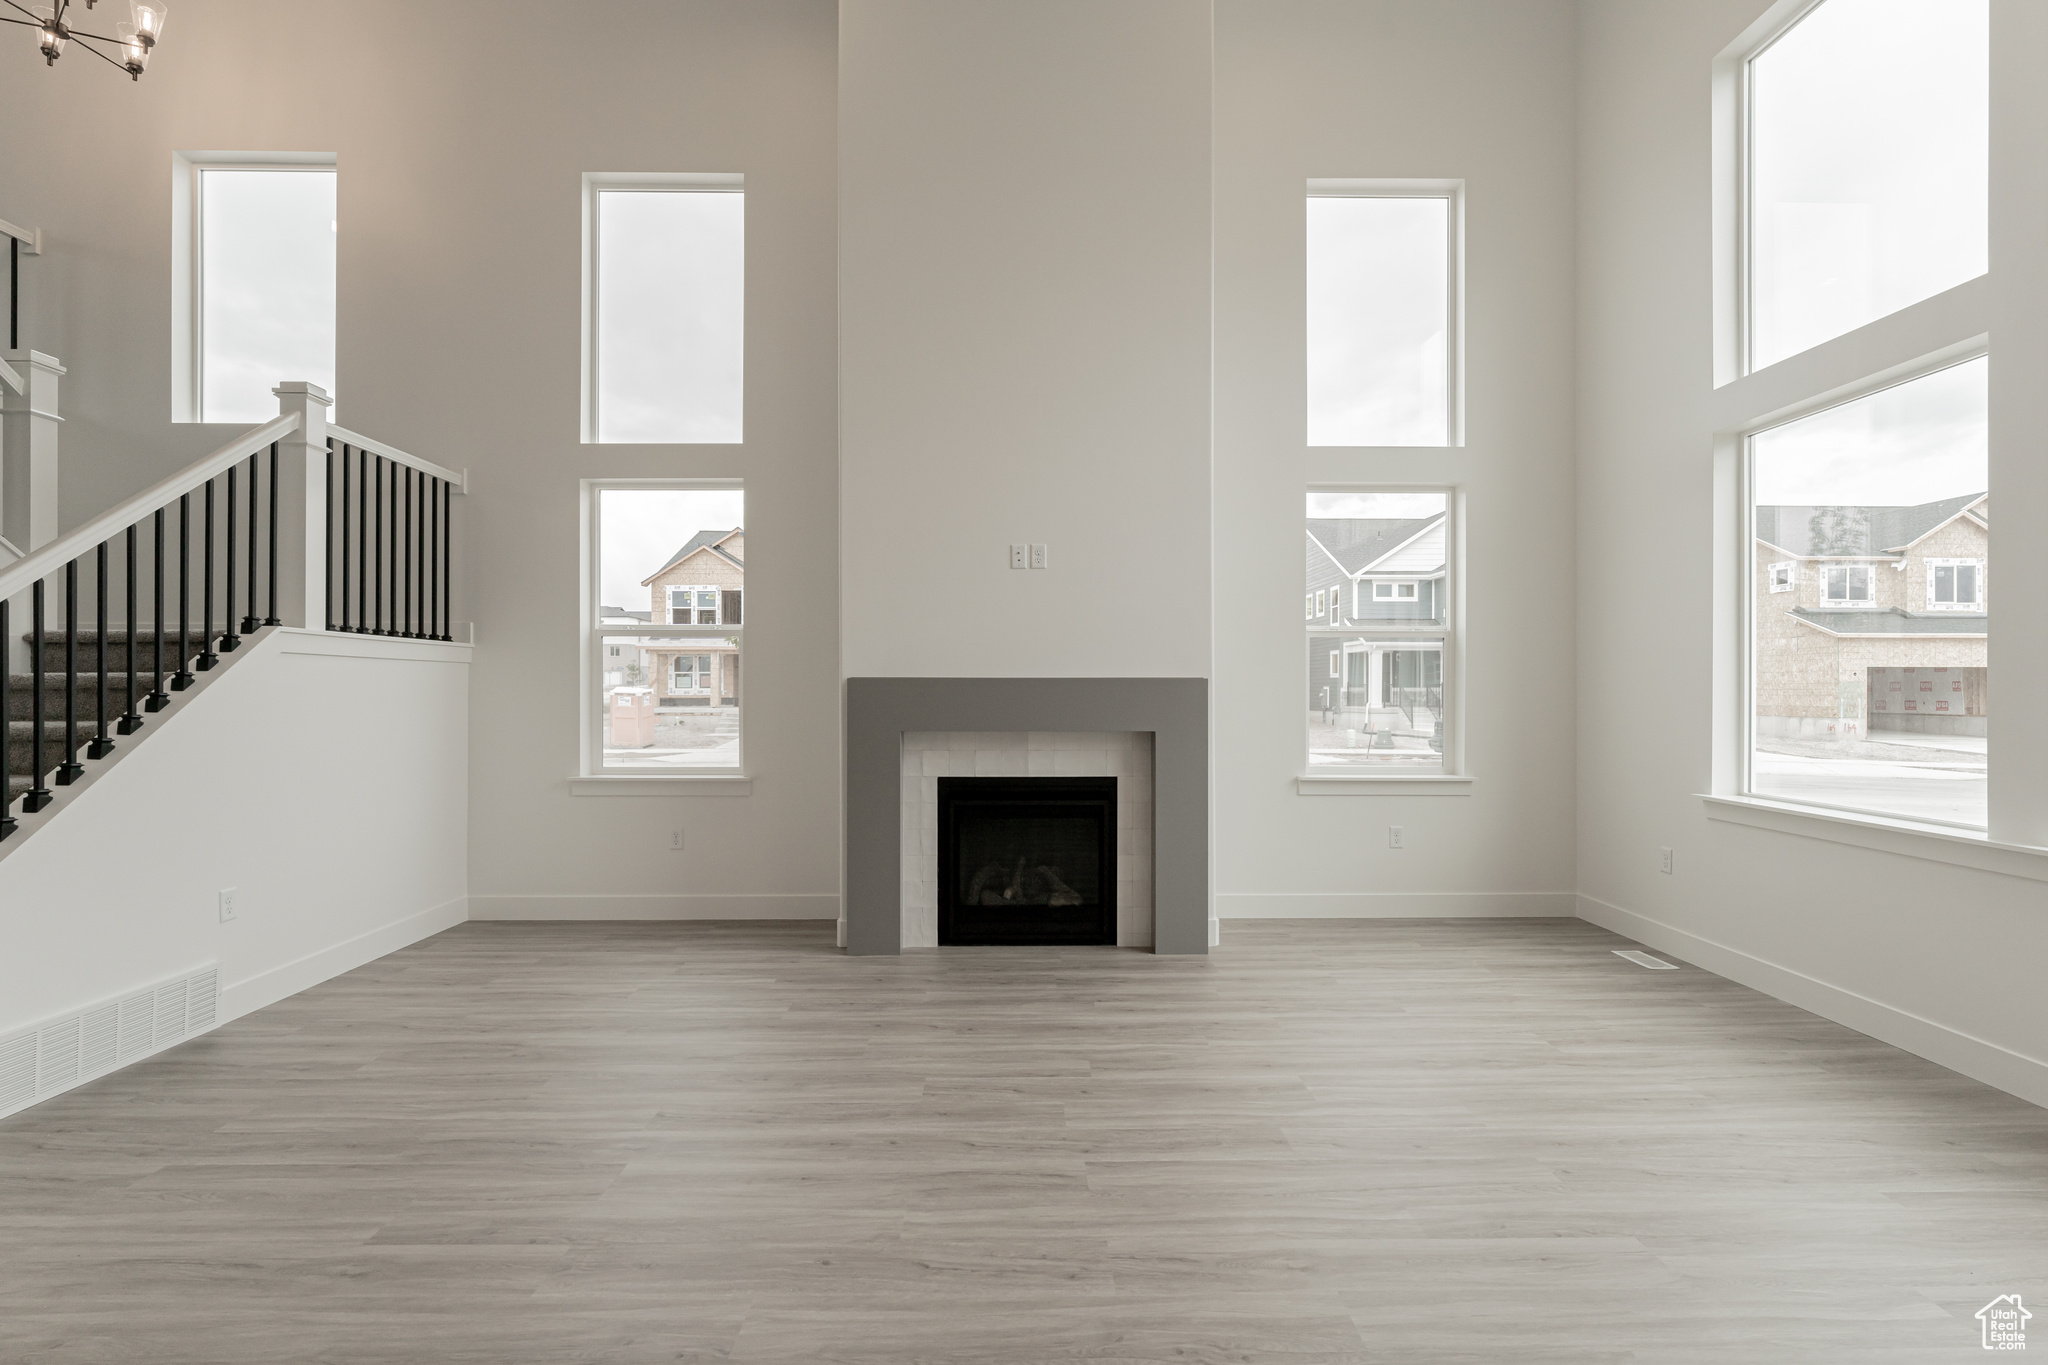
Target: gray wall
[1473, 89]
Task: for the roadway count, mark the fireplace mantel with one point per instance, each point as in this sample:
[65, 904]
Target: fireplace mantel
[879, 711]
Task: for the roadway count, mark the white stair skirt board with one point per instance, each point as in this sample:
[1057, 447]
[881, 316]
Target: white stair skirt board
[50, 1058]
[1980, 1059]
[1655, 964]
[1396, 904]
[706, 906]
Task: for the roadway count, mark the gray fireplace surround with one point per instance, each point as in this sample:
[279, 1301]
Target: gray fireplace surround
[880, 710]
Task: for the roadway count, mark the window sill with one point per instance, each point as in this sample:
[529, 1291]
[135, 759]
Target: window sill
[1906, 838]
[1384, 784]
[622, 784]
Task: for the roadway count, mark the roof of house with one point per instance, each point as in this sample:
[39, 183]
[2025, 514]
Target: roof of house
[713, 541]
[610, 613]
[1358, 543]
[1893, 621]
[1851, 529]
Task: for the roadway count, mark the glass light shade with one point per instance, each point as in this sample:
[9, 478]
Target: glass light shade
[149, 21]
[53, 36]
[134, 52]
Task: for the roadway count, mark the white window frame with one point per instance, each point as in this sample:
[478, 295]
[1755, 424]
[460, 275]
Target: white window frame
[1975, 604]
[1791, 572]
[592, 777]
[1733, 796]
[1452, 777]
[1454, 306]
[1414, 586]
[594, 182]
[1321, 605]
[188, 348]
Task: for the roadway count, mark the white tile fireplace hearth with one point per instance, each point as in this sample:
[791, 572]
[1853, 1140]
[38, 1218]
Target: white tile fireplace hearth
[1123, 755]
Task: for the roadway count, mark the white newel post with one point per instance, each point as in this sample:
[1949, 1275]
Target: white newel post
[28, 450]
[302, 506]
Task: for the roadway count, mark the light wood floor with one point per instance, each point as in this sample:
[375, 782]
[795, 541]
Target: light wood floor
[1334, 1141]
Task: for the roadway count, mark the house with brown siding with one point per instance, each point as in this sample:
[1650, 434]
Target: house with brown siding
[702, 584]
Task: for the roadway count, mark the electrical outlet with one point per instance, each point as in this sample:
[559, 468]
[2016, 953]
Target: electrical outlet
[1020, 556]
[227, 905]
[1038, 556]
[1664, 861]
[1395, 837]
[675, 841]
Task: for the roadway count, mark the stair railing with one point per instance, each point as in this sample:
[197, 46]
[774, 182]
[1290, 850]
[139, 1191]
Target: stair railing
[290, 464]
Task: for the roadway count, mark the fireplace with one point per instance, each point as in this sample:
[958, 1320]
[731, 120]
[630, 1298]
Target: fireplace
[1027, 860]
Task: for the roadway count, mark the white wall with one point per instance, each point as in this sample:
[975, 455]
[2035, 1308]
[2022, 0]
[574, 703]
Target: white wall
[1478, 90]
[1943, 960]
[462, 134]
[330, 789]
[1024, 256]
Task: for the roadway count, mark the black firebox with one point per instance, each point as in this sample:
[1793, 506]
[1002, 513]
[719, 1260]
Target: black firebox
[1027, 860]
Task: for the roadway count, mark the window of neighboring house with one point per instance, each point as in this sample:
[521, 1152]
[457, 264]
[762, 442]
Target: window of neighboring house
[1869, 166]
[1381, 699]
[1847, 583]
[1864, 477]
[665, 308]
[253, 283]
[640, 531]
[1382, 306]
[1319, 602]
[1955, 584]
[1780, 577]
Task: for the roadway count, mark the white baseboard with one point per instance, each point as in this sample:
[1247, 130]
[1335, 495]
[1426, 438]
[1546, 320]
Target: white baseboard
[601, 907]
[269, 987]
[2013, 1072]
[1395, 904]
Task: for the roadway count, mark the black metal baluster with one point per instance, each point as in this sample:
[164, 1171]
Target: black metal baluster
[158, 698]
[130, 721]
[420, 584]
[7, 824]
[272, 618]
[377, 549]
[347, 492]
[103, 743]
[250, 621]
[327, 538]
[183, 678]
[229, 641]
[69, 769]
[408, 631]
[208, 660]
[447, 541]
[363, 546]
[38, 796]
[433, 583]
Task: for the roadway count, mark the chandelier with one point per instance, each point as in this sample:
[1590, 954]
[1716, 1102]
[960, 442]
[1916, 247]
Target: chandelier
[133, 41]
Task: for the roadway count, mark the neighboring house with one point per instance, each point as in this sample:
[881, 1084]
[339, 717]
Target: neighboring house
[1872, 619]
[625, 662]
[1378, 573]
[703, 584]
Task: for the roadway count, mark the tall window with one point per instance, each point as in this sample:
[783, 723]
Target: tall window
[1869, 166]
[1379, 693]
[663, 664]
[260, 304]
[1870, 675]
[1382, 316]
[665, 293]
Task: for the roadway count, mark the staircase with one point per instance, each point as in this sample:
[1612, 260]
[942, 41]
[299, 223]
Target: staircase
[51, 678]
[324, 527]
